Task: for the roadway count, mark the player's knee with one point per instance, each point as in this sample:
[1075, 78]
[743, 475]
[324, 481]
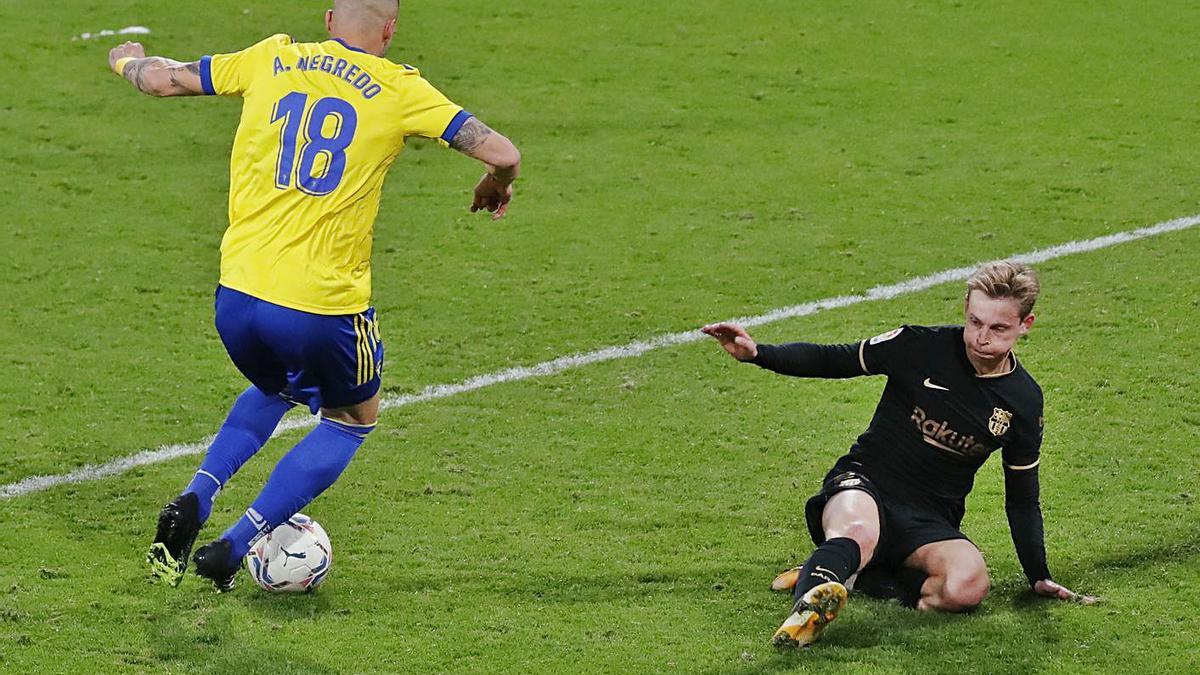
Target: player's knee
[965, 592]
[864, 533]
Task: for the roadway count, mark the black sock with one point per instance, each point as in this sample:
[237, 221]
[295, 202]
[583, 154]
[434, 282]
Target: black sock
[835, 560]
[909, 586]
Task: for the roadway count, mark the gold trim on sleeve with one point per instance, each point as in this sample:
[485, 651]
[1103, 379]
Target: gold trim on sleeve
[1023, 468]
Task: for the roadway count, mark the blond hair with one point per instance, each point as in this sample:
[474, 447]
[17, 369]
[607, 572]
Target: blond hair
[1007, 279]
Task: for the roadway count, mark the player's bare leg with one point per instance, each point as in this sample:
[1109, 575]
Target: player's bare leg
[361, 414]
[851, 524]
[958, 579]
[852, 514]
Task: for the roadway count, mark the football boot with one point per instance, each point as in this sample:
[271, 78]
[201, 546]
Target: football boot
[786, 580]
[811, 614]
[212, 563]
[178, 525]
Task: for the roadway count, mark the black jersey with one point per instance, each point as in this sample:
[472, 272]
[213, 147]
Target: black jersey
[937, 422]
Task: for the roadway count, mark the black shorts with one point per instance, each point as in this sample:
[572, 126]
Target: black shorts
[904, 526]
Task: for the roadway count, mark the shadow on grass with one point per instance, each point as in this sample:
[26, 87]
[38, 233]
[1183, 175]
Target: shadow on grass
[876, 636]
[210, 635]
[882, 636]
[577, 588]
[1175, 551]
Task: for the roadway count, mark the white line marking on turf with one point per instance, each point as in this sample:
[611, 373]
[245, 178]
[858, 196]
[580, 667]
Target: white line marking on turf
[128, 30]
[169, 452]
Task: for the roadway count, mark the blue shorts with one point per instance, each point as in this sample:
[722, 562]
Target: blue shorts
[318, 360]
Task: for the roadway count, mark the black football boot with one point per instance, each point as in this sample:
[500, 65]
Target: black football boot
[178, 525]
[212, 563]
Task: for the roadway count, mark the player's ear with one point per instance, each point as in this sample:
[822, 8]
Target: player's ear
[329, 21]
[389, 29]
[1027, 323]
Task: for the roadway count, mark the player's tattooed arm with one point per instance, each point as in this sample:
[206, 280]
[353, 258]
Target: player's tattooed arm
[184, 75]
[155, 75]
[470, 136]
[158, 76]
[134, 73]
[499, 155]
[478, 140]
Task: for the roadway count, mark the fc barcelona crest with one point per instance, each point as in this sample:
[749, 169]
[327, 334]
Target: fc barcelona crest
[1000, 421]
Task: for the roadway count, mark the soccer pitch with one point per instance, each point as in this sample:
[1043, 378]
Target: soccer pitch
[685, 162]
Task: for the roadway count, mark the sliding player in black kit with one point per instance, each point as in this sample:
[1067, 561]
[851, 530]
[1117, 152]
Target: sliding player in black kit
[889, 511]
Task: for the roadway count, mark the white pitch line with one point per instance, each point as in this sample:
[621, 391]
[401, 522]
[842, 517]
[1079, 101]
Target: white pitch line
[168, 452]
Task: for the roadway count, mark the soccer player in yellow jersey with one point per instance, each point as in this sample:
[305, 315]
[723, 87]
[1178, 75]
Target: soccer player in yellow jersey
[321, 124]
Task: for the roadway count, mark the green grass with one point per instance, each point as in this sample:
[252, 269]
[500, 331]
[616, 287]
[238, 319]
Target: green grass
[684, 162]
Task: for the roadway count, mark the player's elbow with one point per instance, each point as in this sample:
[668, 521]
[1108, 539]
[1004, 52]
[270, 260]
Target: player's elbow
[501, 153]
[508, 158]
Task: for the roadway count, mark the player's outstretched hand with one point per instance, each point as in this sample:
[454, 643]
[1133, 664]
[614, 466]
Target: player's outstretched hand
[1053, 589]
[491, 195]
[734, 339]
[133, 49]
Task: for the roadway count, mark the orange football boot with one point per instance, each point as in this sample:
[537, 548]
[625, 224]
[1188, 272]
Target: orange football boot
[819, 606]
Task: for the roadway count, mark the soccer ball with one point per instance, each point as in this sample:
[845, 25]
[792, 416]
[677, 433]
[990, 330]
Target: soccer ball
[293, 557]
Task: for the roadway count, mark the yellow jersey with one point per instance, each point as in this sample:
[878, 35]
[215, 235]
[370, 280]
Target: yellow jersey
[321, 125]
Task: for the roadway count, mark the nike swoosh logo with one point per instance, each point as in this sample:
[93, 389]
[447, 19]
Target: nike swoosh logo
[931, 385]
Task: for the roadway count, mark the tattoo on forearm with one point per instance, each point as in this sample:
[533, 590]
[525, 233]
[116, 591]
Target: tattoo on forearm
[176, 69]
[140, 73]
[133, 73]
[470, 136]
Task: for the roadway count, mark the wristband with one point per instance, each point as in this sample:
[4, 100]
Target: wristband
[119, 66]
